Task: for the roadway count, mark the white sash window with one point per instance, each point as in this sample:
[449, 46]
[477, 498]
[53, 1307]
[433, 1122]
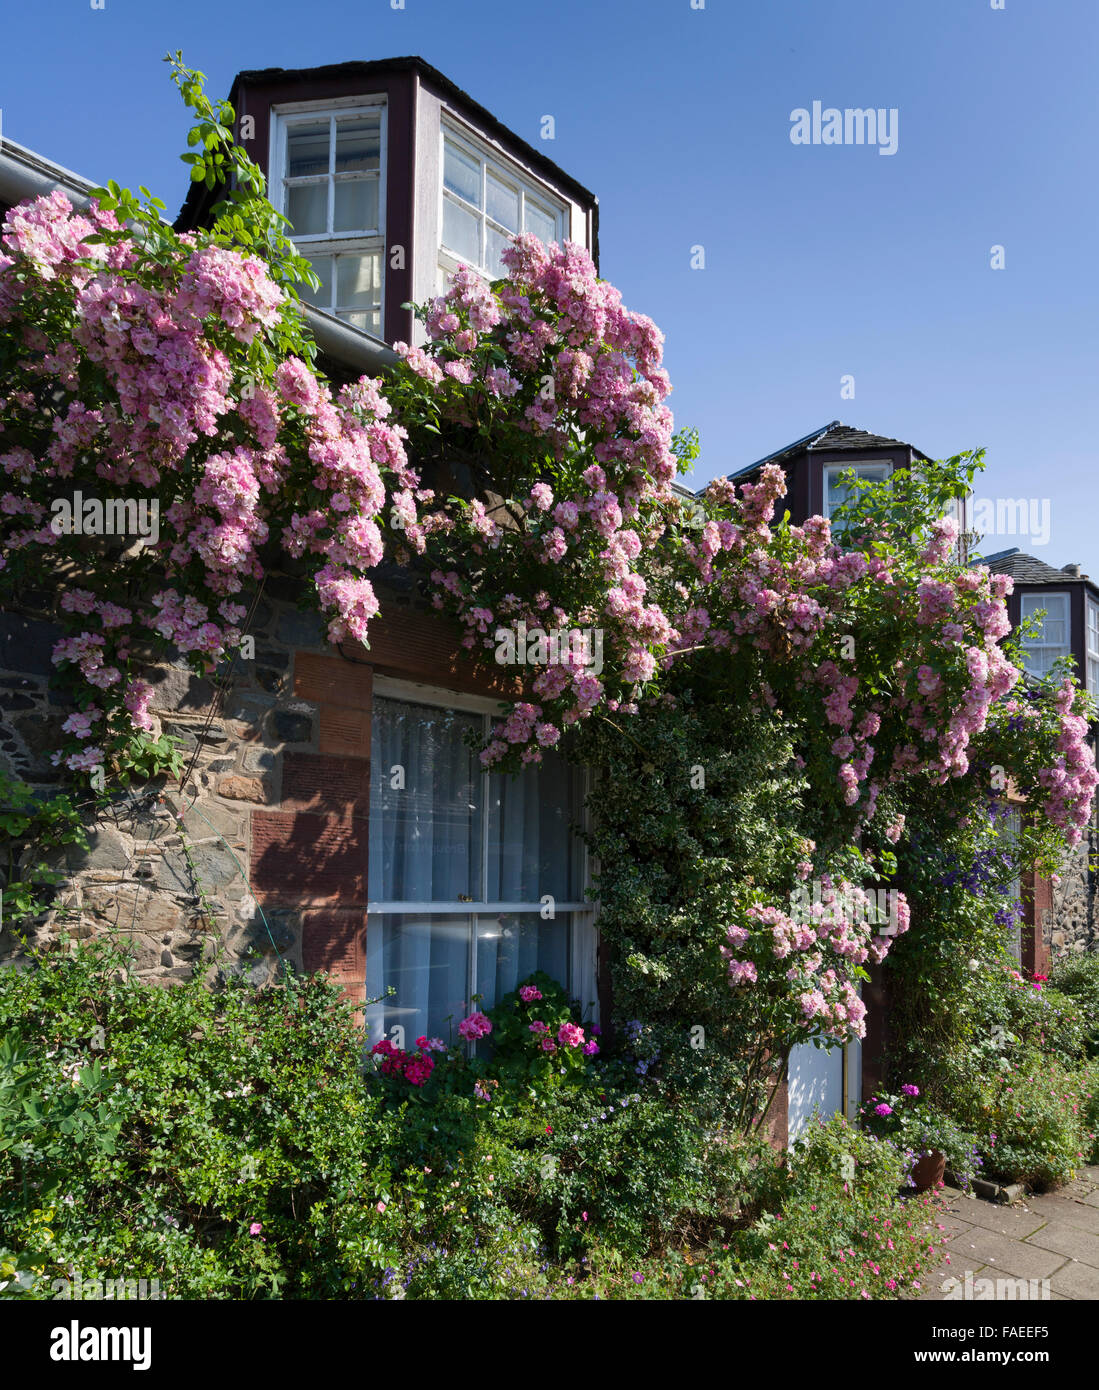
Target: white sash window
[466, 868]
[1052, 638]
[328, 178]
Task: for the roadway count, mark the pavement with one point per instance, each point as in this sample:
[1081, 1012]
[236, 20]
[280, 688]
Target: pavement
[1053, 1237]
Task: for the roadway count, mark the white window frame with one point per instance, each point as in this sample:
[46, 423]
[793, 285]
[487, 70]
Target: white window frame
[582, 912]
[1091, 643]
[1033, 602]
[881, 468]
[333, 243]
[508, 172]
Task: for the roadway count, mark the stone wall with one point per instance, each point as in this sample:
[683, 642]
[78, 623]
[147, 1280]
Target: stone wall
[1069, 924]
[269, 864]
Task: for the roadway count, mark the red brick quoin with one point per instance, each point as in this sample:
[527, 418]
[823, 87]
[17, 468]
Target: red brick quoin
[311, 853]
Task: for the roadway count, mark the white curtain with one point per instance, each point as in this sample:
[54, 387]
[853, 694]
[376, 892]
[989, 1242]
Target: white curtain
[531, 851]
[430, 841]
[512, 945]
[425, 836]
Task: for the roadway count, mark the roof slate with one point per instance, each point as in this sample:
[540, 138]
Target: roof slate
[834, 435]
[1028, 569]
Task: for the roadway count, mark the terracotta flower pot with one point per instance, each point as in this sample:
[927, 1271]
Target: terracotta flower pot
[929, 1171]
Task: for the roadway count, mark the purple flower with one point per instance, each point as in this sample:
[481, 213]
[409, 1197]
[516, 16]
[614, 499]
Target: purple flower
[883, 1109]
[910, 1090]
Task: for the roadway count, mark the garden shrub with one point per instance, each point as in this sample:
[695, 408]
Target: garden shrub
[240, 1167]
[1077, 977]
[832, 1225]
[243, 1149]
[1035, 1121]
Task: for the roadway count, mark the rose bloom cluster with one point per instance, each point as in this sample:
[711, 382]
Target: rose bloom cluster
[179, 414]
[791, 607]
[579, 366]
[815, 956]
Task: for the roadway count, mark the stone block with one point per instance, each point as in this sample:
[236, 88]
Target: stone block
[26, 645]
[214, 867]
[288, 727]
[178, 689]
[336, 942]
[260, 760]
[107, 849]
[198, 733]
[243, 789]
[300, 630]
[133, 909]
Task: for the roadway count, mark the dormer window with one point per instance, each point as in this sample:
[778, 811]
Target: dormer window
[1093, 647]
[1051, 640]
[838, 490]
[329, 177]
[486, 200]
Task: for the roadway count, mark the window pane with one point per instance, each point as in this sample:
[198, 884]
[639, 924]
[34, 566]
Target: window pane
[322, 298]
[358, 143]
[356, 205]
[370, 321]
[532, 850]
[307, 149]
[358, 280]
[1054, 626]
[541, 222]
[307, 208]
[426, 805]
[512, 946]
[495, 242]
[461, 174]
[426, 960]
[461, 232]
[840, 491]
[502, 202]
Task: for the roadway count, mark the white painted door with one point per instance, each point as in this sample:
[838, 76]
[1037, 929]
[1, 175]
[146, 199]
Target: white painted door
[815, 1082]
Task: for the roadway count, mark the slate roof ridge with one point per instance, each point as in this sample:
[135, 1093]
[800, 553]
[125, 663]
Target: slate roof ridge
[1029, 569]
[850, 436]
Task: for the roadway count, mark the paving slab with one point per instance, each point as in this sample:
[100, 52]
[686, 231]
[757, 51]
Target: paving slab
[1076, 1281]
[948, 1226]
[1052, 1236]
[1067, 1211]
[1016, 1257]
[1068, 1240]
[933, 1289]
[1005, 1221]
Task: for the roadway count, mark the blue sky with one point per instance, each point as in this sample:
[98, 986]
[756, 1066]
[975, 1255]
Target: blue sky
[820, 261]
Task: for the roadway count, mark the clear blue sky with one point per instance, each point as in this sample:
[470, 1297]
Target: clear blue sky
[820, 261]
